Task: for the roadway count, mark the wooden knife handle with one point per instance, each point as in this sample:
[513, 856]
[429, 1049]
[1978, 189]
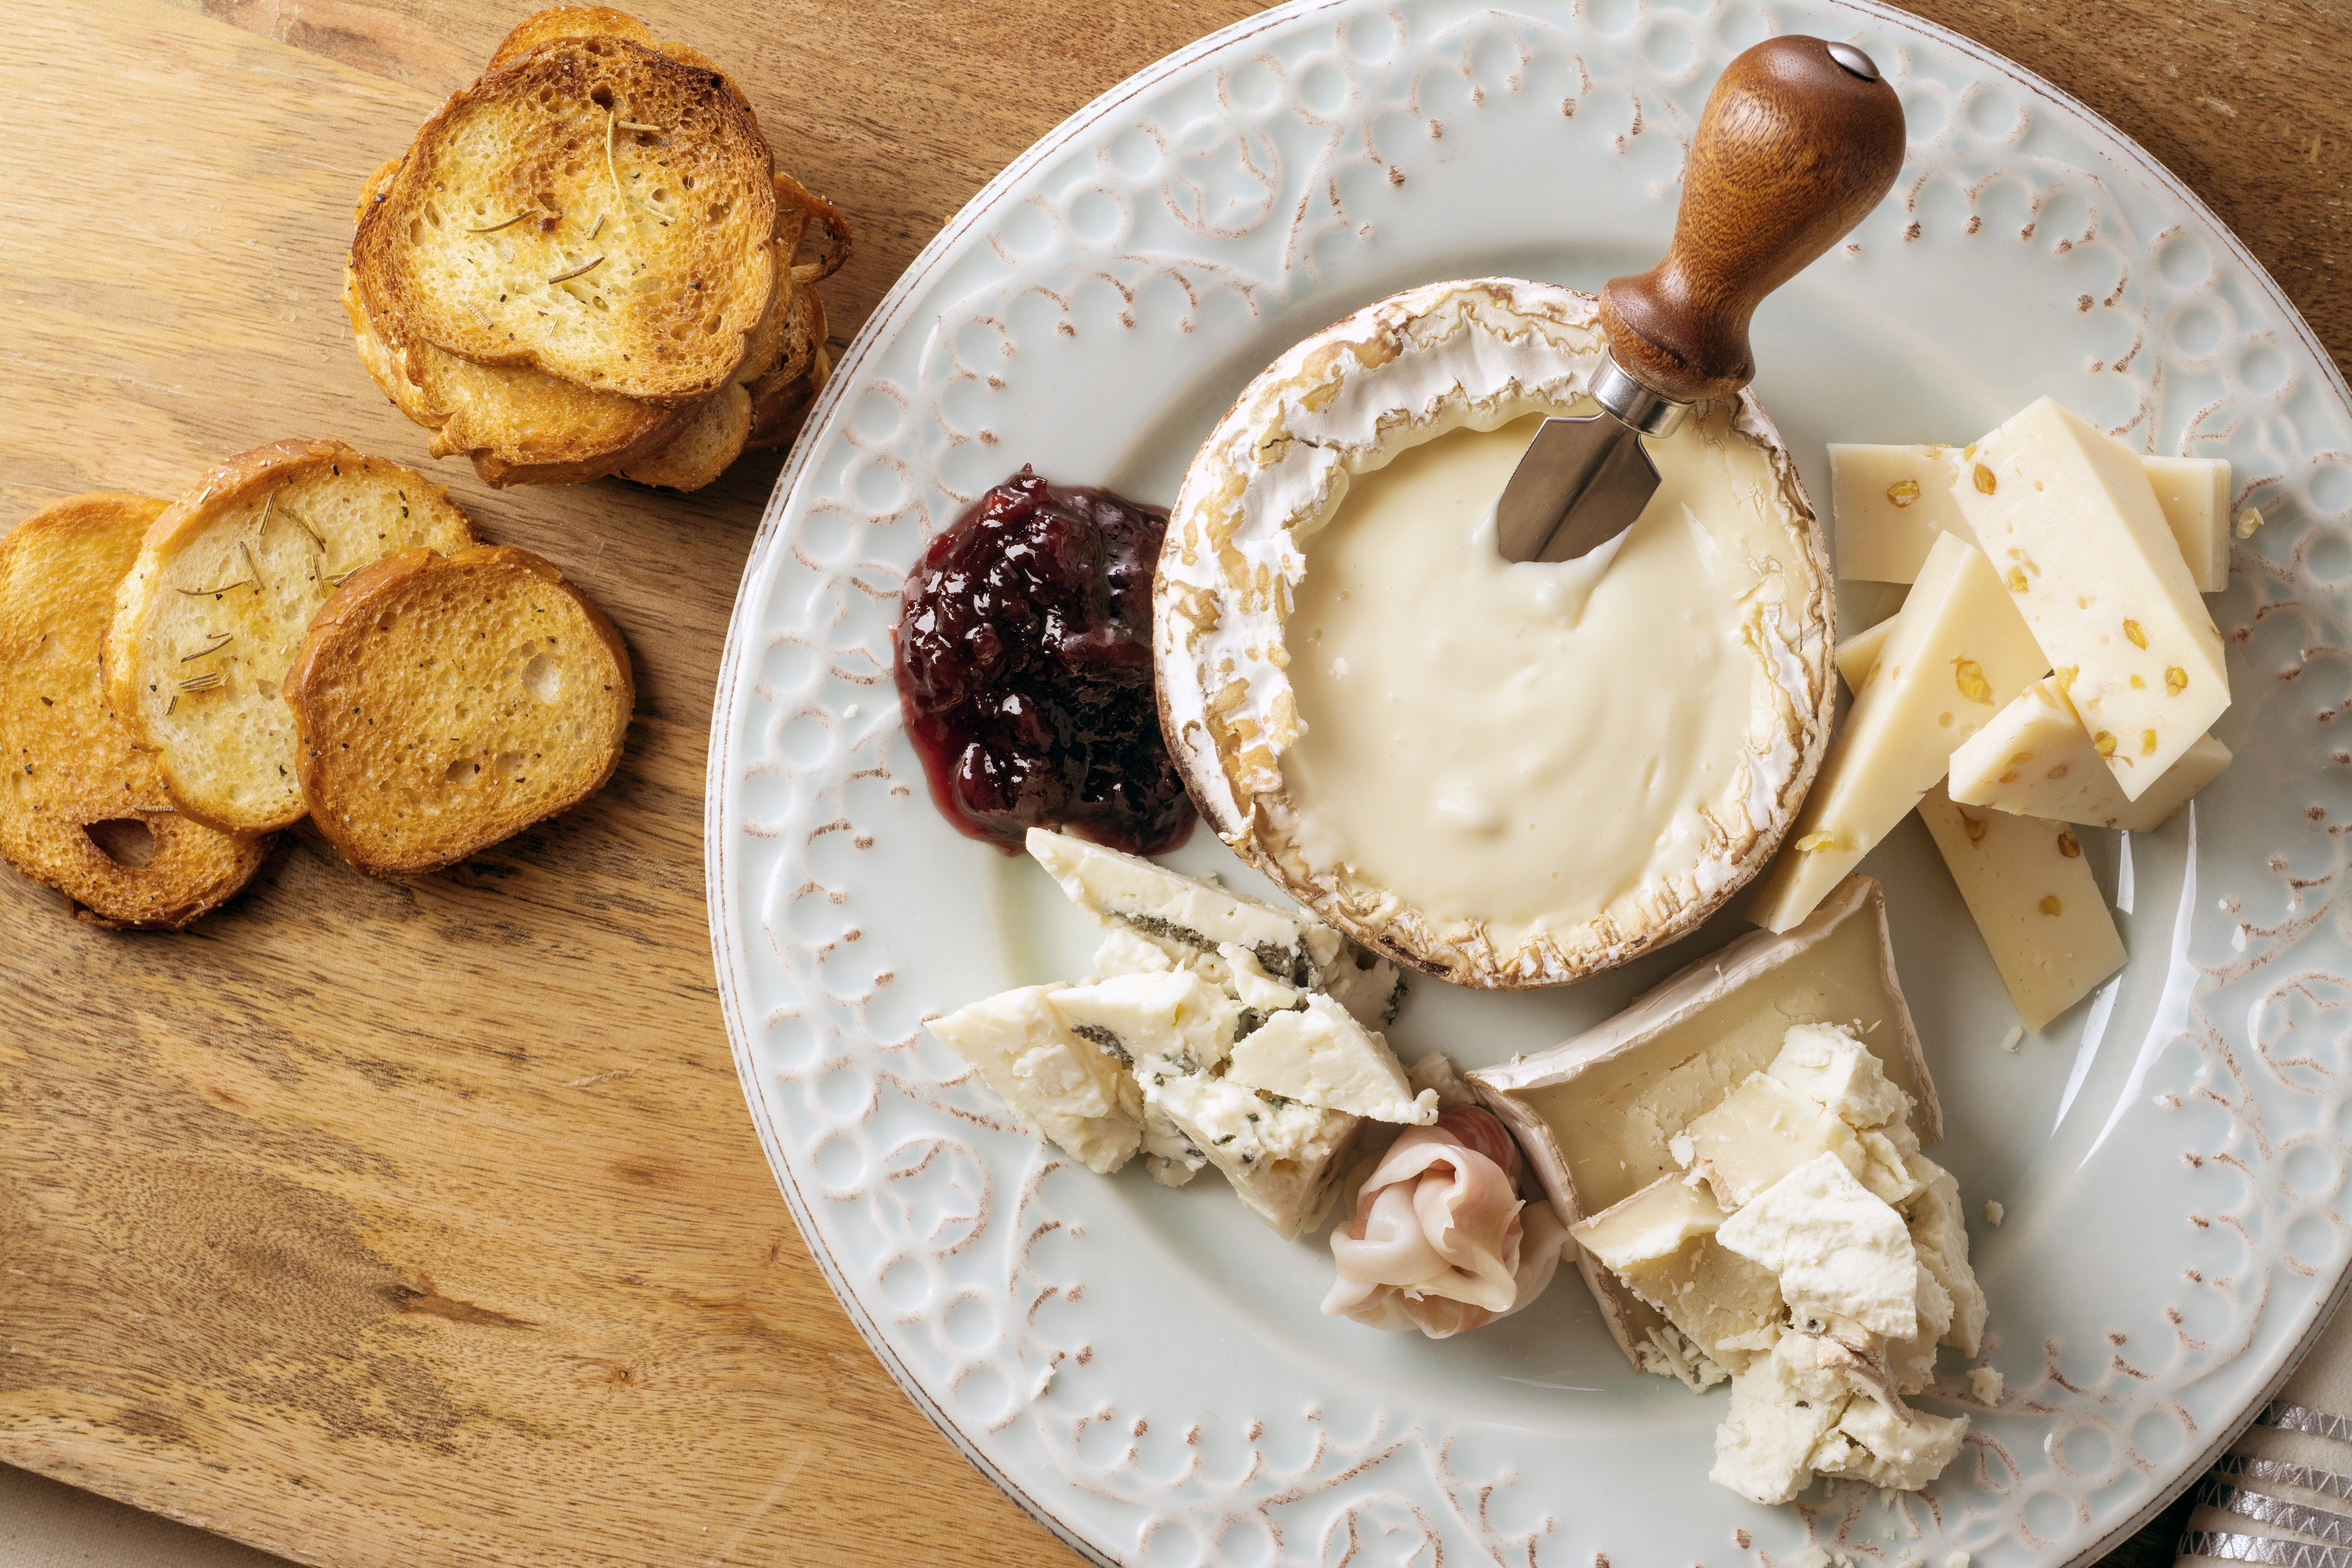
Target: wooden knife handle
[1793, 150]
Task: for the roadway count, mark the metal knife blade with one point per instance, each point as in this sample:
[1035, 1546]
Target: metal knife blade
[1581, 482]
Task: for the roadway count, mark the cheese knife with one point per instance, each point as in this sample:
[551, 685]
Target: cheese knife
[1799, 140]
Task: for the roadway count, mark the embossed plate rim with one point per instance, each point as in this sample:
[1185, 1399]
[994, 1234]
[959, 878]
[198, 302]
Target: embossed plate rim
[883, 321]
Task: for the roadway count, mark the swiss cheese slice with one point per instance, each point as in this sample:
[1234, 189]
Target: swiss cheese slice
[2035, 759]
[2071, 523]
[1890, 503]
[1957, 653]
[2034, 901]
[1858, 654]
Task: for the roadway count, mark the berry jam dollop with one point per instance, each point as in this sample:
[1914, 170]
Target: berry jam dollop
[1024, 669]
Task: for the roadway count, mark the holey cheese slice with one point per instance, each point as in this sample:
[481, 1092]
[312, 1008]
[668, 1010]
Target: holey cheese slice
[2035, 759]
[1887, 504]
[1433, 747]
[2034, 900]
[1957, 651]
[2072, 524]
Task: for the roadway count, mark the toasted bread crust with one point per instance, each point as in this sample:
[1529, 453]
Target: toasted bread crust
[540, 137]
[568, 22]
[444, 703]
[258, 576]
[71, 764]
[780, 398]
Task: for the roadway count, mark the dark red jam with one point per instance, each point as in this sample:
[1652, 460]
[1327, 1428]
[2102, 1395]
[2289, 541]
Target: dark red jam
[1024, 669]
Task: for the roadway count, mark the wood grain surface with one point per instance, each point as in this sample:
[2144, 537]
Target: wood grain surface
[422, 1224]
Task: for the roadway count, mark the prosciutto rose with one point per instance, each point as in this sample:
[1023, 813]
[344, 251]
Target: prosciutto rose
[1438, 1237]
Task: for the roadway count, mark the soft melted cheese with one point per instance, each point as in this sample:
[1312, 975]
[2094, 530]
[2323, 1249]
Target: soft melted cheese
[1525, 743]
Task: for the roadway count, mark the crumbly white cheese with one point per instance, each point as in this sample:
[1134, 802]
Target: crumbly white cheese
[1841, 1253]
[1318, 1053]
[1939, 1235]
[1826, 1063]
[1890, 1444]
[1985, 1386]
[1065, 1086]
[1820, 1404]
[1434, 1074]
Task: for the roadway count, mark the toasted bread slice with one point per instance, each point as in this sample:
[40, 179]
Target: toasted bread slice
[558, 22]
[594, 208]
[522, 426]
[227, 579]
[780, 398]
[447, 702]
[518, 426]
[702, 451]
[84, 810]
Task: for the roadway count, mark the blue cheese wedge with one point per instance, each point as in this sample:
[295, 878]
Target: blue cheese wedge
[1284, 1159]
[1193, 924]
[1064, 1086]
[2071, 523]
[1156, 1025]
[1318, 1053]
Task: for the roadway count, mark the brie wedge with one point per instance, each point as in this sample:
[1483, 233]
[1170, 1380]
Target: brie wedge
[1423, 743]
[1597, 1115]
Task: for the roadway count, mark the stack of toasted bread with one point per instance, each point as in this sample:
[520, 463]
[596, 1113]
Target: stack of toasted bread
[306, 632]
[587, 264]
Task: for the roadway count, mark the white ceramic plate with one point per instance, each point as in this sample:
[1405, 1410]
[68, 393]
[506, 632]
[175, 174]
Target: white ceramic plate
[1146, 1371]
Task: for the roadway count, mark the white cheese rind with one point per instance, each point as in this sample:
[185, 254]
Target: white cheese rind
[1065, 1086]
[1473, 354]
[2035, 759]
[2034, 901]
[1888, 504]
[1318, 1053]
[1840, 1252]
[2071, 523]
[1957, 653]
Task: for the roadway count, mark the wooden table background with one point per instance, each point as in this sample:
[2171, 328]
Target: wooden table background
[424, 1224]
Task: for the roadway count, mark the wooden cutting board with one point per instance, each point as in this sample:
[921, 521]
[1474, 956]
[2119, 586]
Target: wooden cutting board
[422, 1224]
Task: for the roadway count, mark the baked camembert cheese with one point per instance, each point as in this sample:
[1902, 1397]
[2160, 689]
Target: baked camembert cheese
[1430, 745]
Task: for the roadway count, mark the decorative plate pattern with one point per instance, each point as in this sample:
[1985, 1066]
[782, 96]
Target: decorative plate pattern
[1146, 1370]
